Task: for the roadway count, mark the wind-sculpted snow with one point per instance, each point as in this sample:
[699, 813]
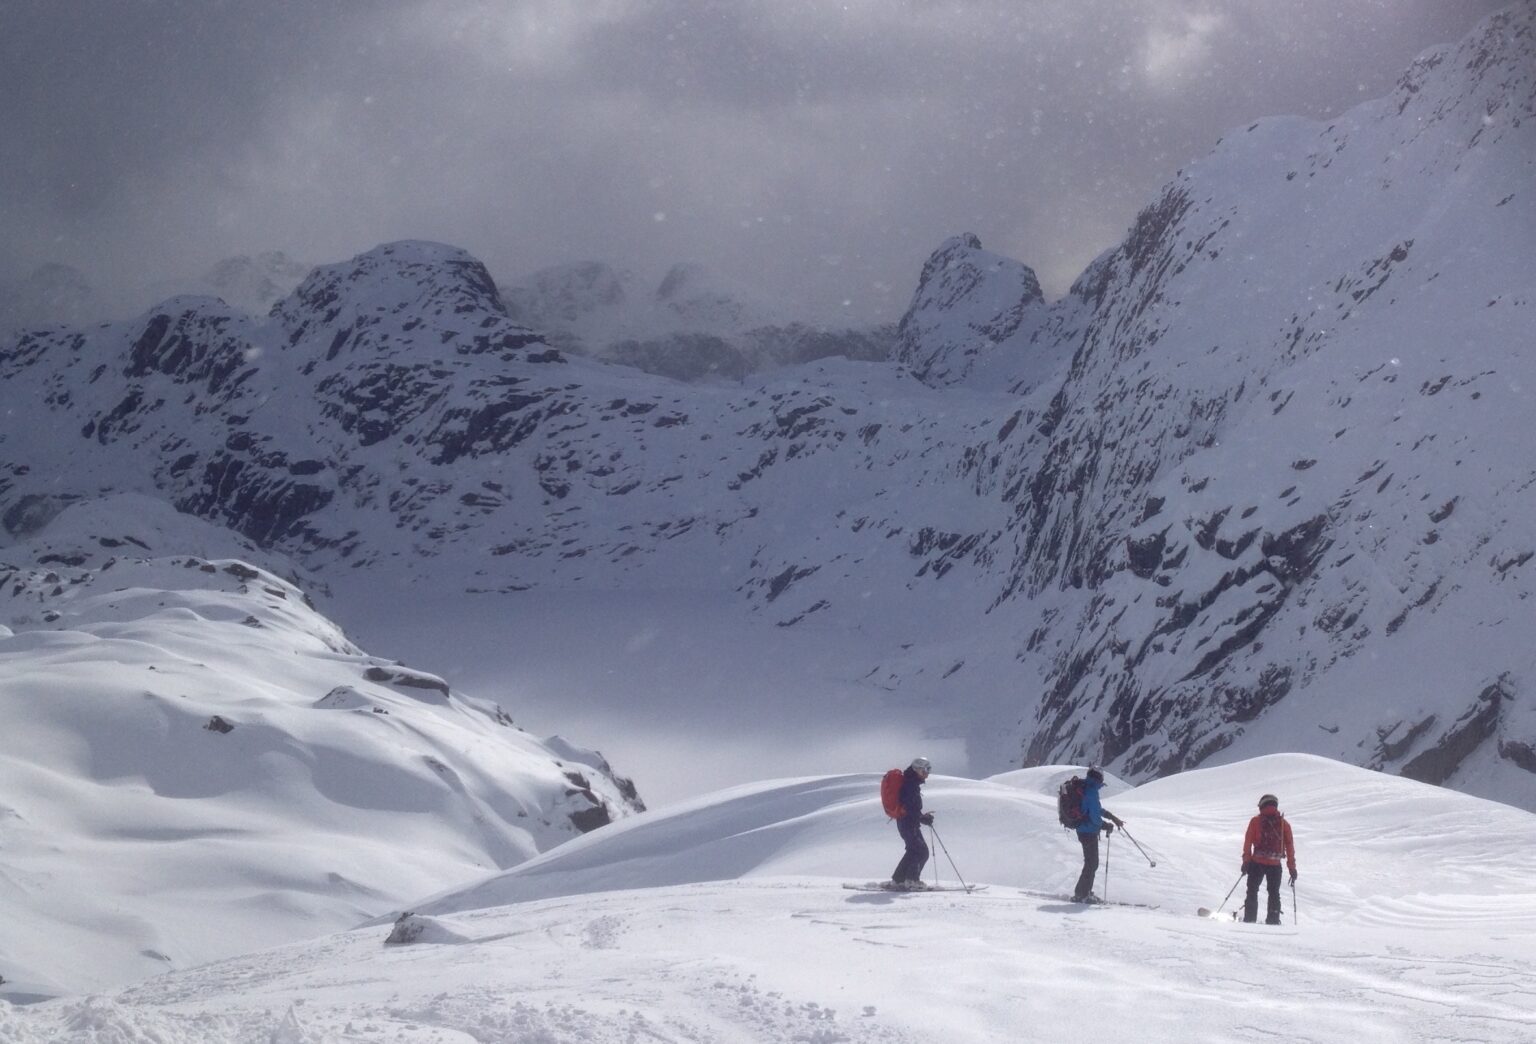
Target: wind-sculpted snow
[1412, 919]
[195, 761]
[1260, 481]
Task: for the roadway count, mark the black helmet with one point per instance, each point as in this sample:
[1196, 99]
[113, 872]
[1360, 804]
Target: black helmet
[1095, 774]
[1269, 799]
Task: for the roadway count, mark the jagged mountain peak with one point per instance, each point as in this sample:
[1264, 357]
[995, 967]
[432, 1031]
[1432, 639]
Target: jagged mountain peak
[968, 302]
[411, 278]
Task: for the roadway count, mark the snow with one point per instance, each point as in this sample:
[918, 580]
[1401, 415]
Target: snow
[197, 763]
[222, 818]
[722, 919]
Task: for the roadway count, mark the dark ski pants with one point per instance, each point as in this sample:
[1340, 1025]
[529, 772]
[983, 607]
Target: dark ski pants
[1090, 864]
[916, 856]
[1270, 875]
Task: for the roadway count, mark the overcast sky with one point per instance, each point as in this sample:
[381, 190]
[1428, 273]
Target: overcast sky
[818, 148]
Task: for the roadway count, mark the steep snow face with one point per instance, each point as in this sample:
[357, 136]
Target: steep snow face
[197, 762]
[1275, 500]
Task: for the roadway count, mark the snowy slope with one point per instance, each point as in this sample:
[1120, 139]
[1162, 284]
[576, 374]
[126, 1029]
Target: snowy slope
[1280, 469]
[723, 921]
[196, 762]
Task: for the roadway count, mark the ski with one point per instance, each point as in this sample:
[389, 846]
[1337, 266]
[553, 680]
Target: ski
[887, 886]
[1062, 898]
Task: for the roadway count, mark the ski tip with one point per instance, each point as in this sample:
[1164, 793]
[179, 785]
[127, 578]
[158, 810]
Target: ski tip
[1203, 912]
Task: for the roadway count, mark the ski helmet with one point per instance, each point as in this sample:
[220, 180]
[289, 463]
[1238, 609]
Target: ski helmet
[921, 764]
[1269, 799]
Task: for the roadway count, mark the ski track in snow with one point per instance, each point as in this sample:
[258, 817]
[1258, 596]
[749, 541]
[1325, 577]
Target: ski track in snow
[643, 945]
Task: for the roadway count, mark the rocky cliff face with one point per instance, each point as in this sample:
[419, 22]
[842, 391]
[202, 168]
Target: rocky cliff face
[968, 303]
[1256, 483]
[1270, 488]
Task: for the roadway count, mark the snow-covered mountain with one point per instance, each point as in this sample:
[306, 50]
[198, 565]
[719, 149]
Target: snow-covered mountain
[696, 325]
[197, 762]
[968, 302]
[1277, 497]
[1412, 919]
[1258, 482]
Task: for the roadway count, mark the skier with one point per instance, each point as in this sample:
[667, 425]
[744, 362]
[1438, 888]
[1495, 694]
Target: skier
[1094, 815]
[909, 872]
[1267, 843]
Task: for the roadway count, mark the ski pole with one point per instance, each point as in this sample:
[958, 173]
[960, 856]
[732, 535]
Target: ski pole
[952, 865]
[1137, 843]
[1295, 914]
[1108, 840]
[1239, 881]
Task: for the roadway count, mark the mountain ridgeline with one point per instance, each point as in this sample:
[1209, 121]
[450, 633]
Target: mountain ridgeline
[1262, 480]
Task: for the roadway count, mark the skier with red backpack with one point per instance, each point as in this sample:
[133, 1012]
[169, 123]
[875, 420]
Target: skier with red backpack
[901, 793]
[1266, 845]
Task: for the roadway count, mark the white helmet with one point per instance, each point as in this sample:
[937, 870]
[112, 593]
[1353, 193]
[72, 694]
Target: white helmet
[922, 765]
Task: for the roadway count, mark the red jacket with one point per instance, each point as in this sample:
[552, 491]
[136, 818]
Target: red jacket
[1254, 852]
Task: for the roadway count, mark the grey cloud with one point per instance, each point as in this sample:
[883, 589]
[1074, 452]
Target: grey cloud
[822, 149]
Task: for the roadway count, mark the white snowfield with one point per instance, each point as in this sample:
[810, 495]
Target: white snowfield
[723, 920]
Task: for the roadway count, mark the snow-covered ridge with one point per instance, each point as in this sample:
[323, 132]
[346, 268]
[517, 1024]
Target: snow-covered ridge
[724, 921]
[197, 762]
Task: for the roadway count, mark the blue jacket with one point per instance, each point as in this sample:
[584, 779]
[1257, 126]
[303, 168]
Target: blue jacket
[911, 796]
[1092, 810]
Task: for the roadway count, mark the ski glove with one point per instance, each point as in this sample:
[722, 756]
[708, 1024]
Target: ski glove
[1247, 867]
[1293, 877]
[1109, 828]
[927, 819]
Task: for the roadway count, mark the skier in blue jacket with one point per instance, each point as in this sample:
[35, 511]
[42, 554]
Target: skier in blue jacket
[1094, 815]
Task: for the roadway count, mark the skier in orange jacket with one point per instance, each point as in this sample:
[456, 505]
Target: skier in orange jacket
[1266, 845]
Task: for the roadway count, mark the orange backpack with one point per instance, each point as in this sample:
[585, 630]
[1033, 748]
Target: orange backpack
[890, 793]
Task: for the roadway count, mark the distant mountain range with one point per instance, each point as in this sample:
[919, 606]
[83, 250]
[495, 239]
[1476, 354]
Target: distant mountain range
[695, 326]
[1261, 481]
